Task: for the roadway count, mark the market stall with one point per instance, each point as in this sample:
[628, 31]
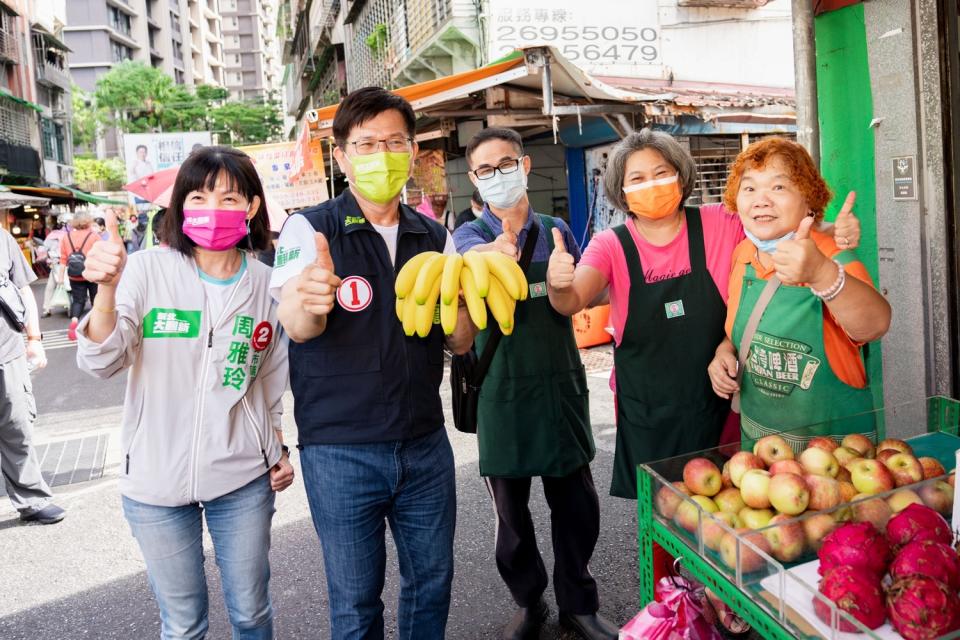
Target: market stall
[761, 540]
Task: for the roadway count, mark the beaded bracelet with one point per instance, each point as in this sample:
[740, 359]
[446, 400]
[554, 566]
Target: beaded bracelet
[835, 289]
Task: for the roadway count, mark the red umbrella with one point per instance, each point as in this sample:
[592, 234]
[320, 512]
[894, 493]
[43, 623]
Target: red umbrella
[150, 187]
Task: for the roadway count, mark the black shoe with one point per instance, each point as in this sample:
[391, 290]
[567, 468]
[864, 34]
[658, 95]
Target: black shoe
[526, 622]
[50, 514]
[589, 626]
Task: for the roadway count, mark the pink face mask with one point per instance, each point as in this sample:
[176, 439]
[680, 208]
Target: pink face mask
[215, 229]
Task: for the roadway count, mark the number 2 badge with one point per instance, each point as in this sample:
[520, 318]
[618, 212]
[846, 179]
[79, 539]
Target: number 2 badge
[355, 293]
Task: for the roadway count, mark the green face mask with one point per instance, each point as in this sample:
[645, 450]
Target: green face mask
[379, 177]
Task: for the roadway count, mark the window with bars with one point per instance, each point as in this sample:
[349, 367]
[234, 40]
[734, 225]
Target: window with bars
[52, 138]
[713, 156]
[15, 123]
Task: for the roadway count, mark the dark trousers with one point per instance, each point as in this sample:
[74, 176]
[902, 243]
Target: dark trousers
[79, 290]
[575, 526]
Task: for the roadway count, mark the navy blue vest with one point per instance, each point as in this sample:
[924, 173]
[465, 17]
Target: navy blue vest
[363, 380]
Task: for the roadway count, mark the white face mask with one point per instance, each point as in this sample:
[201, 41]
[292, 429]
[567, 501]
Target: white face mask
[503, 191]
[476, 212]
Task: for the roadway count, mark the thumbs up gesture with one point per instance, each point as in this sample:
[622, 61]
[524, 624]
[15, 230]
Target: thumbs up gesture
[846, 228]
[560, 268]
[317, 287]
[106, 259]
[799, 261]
[506, 242]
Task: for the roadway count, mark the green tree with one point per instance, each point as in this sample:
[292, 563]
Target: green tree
[140, 94]
[249, 122]
[99, 175]
[85, 120]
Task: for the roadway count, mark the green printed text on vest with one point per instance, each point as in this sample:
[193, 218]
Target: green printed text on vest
[779, 365]
[171, 323]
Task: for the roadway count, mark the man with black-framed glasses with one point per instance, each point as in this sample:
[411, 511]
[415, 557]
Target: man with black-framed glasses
[366, 397]
[533, 416]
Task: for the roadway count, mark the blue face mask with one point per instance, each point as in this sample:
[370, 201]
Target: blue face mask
[503, 191]
[768, 246]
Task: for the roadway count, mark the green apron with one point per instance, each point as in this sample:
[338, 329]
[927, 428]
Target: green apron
[788, 383]
[533, 418]
[665, 403]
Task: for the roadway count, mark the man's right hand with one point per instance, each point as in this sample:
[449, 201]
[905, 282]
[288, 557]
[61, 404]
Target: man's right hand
[506, 242]
[317, 285]
[105, 262]
[560, 269]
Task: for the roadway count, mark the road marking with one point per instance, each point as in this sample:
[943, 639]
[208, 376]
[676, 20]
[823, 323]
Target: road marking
[58, 339]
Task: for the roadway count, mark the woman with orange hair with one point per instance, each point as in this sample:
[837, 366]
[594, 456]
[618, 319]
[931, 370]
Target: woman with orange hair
[799, 343]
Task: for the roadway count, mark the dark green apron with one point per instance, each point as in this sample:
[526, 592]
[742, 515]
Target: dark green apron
[788, 383]
[533, 418]
[665, 403]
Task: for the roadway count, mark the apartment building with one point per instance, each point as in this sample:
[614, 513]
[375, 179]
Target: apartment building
[251, 49]
[182, 37]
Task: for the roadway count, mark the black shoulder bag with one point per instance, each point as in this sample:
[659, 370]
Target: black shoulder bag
[467, 371]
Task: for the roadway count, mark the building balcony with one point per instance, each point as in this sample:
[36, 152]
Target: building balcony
[51, 75]
[439, 40]
[9, 51]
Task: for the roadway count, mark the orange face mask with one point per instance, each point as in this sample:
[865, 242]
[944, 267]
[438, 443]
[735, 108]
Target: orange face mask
[654, 199]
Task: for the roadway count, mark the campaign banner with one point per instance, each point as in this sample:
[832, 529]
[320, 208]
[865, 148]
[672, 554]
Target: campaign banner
[276, 165]
[147, 153]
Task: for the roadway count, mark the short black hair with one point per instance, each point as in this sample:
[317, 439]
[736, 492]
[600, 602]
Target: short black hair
[142, 146]
[475, 197]
[494, 133]
[100, 221]
[364, 104]
[200, 172]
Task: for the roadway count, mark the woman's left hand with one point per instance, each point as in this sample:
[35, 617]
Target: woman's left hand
[799, 261]
[281, 475]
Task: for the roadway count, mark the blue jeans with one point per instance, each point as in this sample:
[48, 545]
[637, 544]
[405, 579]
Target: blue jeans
[354, 490]
[171, 540]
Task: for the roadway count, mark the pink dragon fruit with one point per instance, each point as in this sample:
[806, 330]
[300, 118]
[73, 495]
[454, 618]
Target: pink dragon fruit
[921, 608]
[928, 558]
[858, 545]
[855, 592]
[917, 523]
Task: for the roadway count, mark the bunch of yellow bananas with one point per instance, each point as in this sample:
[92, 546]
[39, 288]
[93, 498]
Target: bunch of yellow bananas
[432, 277]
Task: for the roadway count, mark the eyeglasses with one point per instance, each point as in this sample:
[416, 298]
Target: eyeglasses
[505, 167]
[367, 146]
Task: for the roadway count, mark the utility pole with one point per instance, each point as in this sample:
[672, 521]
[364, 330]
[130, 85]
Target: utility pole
[805, 72]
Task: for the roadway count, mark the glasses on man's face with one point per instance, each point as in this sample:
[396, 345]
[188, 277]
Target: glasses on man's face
[396, 144]
[507, 166]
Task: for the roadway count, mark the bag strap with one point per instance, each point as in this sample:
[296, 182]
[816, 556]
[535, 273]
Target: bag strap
[526, 255]
[73, 249]
[752, 323]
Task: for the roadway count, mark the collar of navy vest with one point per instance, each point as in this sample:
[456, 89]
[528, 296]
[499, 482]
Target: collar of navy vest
[353, 219]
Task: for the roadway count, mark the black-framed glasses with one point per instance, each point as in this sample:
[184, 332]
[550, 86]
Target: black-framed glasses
[505, 167]
[367, 146]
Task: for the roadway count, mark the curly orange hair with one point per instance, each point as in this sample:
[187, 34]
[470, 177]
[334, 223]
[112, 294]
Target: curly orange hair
[803, 172]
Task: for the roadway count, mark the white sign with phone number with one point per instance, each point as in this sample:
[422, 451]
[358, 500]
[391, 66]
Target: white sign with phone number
[592, 35]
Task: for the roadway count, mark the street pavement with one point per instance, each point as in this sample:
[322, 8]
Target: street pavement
[85, 578]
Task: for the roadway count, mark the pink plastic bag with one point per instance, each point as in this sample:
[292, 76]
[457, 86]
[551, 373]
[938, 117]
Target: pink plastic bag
[677, 614]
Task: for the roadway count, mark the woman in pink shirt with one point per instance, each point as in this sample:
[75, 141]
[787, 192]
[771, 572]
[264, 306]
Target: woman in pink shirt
[667, 269]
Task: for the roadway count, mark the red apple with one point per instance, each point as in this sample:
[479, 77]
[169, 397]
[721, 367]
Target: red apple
[905, 468]
[755, 488]
[772, 448]
[688, 512]
[859, 443]
[870, 476]
[847, 491]
[874, 510]
[893, 443]
[845, 456]
[668, 500]
[903, 499]
[740, 463]
[729, 500]
[818, 462]
[952, 479]
[938, 495]
[843, 475]
[725, 480]
[754, 518]
[885, 454]
[931, 468]
[750, 560]
[786, 466]
[824, 492]
[826, 443]
[816, 528]
[789, 494]
[702, 477]
[711, 531]
[787, 541]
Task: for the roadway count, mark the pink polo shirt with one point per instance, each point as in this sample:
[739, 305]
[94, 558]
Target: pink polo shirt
[722, 232]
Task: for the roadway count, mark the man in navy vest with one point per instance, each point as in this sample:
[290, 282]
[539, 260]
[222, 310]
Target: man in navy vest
[366, 397]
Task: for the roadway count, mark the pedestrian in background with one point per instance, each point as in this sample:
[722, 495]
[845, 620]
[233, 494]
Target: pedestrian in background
[73, 252]
[201, 434]
[471, 213]
[55, 279]
[25, 486]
